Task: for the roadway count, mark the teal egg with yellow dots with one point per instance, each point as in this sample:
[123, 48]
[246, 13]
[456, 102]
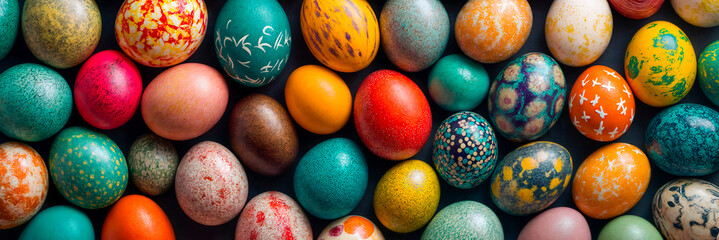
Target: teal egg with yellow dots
[87, 167]
[465, 150]
[531, 178]
[709, 72]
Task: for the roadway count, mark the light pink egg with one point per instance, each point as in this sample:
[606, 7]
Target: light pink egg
[273, 215]
[557, 223]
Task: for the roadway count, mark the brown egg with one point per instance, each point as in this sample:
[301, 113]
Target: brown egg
[262, 135]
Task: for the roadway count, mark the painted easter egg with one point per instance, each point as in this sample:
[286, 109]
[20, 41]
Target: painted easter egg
[464, 220]
[414, 32]
[684, 140]
[253, 41]
[210, 184]
[457, 83]
[9, 24]
[137, 217]
[392, 115]
[61, 33]
[687, 209]
[709, 72]
[527, 97]
[262, 135]
[465, 150]
[36, 102]
[160, 33]
[152, 162]
[407, 196]
[273, 215]
[23, 184]
[351, 228]
[636, 9]
[343, 35]
[601, 104]
[87, 167]
[611, 180]
[556, 223]
[107, 89]
[491, 31]
[185, 101]
[629, 227]
[59, 221]
[578, 32]
[660, 64]
[318, 99]
[700, 13]
[531, 178]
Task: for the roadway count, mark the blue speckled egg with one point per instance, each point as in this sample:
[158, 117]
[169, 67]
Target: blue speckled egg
[464, 220]
[527, 97]
[414, 32]
[457, 83]
[87, 168]
[9, 23]
[465, 150]
[331, 178]
[709, 72]
[59, 222]
[684, 140]
[35, 102]
[531, 178]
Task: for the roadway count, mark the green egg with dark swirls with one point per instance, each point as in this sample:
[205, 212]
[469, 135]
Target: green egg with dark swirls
[87, 167]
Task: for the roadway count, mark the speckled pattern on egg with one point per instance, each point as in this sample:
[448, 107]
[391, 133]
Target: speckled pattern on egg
[465, 150]
[273, 215]
[152, 161]
[464, 220]
[700, 13]
[87, 167]
[578, 32]
[687, 209]
[9, 24]
[709, 72]
[351, 228]
[23, 184]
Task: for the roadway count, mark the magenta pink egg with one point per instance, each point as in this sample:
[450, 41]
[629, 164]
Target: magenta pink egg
[273, 215]
[210, 184]
[108, 89]
[557, 223]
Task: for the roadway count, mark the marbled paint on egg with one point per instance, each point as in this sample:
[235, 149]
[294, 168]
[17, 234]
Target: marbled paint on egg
[273, 215]
[578, 32]
[709, 72]
[700, 13]
[531, 178]
[465, 150]
[527, 97]
[687, 209]
[152, 161]
[87, 167]
[464, 220]
[9, 24]
[23, 184]
[351, 228]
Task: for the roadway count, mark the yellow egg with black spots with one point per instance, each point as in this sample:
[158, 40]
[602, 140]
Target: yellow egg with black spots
[660, 64]
[407, 196]
[531, 178]
[342, 34]
[318, 99]
[87, 167]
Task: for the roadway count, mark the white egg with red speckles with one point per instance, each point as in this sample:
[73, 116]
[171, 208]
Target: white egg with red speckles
[273, 215]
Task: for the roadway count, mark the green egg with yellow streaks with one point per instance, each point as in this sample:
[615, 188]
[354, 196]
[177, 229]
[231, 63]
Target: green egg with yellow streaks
[87, 167]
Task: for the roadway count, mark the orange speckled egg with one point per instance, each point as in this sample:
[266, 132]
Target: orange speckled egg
[601, 104]
[342, 34]
[23, 184]
[318, 99]
[611, 180]
[578, 32]
[351, 228]
[491, 31]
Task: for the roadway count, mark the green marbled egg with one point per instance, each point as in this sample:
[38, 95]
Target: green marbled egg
[87, 168]
[464, 220]
[9, 23]
[709, 72]
[152, 161]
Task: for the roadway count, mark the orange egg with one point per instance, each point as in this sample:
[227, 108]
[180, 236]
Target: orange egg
[601, 104]
[136, 217]
[611, 180]
[318, 99]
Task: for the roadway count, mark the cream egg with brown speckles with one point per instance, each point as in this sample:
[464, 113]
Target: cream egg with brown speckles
[578, 32]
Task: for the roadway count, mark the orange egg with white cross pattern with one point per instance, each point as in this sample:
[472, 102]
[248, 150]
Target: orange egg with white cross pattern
[601, 104]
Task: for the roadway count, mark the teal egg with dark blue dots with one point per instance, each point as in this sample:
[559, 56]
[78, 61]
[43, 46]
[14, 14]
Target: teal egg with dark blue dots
[331, 178]
[87, 167]
[9, 24]
[464, 220]
[709, 72]
[683, 140]
[465, 150]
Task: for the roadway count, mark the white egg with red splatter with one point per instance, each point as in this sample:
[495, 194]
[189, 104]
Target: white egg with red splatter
[273, 215]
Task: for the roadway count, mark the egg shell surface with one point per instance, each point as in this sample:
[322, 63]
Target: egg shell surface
[458, 83]
[351, 228]
[61, 220]
[578, 32]
[700, 13]
[464, 220]
[687, 209]
[636, 9]
[629, 227]
[23, 184]
[318, 99]
[556, 223]
[137, 217]
[9, 25]
[152, 161]
[708, 72]
[273, 215]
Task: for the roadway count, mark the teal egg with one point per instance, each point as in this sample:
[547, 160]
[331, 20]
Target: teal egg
[629, 227]
[87, 168]
[464, 220]
[331, 178]
[709, 72]
[252, 40]
[531, 178]
[59, 222]
[458, 83]
[35, 102]
[9, 22]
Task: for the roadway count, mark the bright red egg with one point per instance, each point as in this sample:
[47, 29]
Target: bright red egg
[108, 89]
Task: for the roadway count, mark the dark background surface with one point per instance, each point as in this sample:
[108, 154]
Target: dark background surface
[563, 132]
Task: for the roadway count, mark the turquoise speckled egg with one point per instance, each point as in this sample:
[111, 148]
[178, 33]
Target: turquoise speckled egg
[465, 150]
[59, 222]
[87, 168]
[458, 83]
[35, 102]
[684, 140]
[527, 97]
[531, 178]
[709, 72]
[464, 220]
[9, 23]
[331, 178]
[252, 41]
[629, 227]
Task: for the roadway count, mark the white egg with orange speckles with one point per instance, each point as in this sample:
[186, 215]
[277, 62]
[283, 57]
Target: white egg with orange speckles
[578, 32]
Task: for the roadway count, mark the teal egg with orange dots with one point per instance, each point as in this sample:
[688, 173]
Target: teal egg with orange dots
[87, 167]
[531, 178]
[709, 72]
